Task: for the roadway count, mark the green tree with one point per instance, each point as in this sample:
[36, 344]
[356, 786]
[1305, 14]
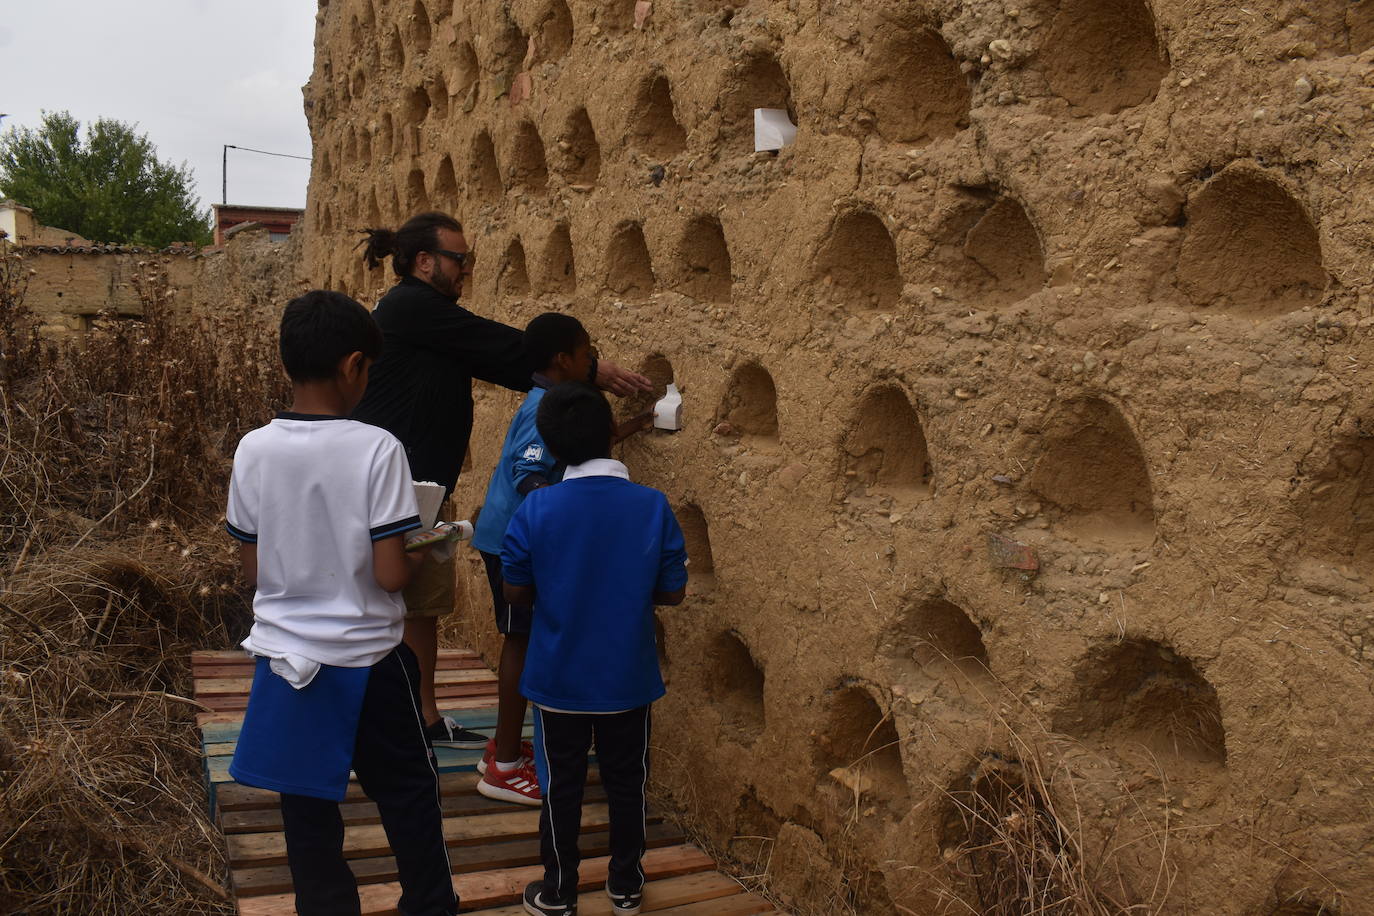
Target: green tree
[107, 185]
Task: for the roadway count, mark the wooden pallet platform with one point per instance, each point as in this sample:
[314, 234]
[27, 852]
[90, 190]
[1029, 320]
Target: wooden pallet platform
[493, 846]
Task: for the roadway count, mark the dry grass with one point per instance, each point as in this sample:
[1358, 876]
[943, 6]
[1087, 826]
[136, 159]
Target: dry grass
[113, 464]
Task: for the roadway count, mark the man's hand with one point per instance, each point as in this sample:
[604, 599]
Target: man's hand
[620, 382]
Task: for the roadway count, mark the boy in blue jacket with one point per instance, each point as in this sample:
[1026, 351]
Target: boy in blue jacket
[593, 556]
[563, 350]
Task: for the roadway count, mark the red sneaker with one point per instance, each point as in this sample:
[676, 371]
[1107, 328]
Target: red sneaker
[526, 753]
[520, 785]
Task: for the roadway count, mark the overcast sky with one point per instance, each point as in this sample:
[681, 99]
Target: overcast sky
[193, 74]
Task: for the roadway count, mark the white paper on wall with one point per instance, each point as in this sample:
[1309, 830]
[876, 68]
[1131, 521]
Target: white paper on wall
[773, 129]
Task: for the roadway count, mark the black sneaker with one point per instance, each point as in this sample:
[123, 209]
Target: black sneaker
[625, 903]
[541, 902]
[448, 733]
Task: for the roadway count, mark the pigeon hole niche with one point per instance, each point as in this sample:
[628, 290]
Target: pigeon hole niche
[578, 152]
[445, 195]
[513, 279]
[734, 682]
[749, 413]
[1140, 693]
[1092, 473]
[437, 89]
[484, 172]
[886, 449]
[416, 107]
[555, 31]
[1250, 247]
[417, 199]
[629, 270]
[988, 252]
[705, 259]
[1338, 513]
[654, 129]
[559, 270]
[758, 81]
[527, 165]
[466, 69]
[936, 635]
[857, 262]
[1102, 56]
[419, 32]
[701, 565]
[916, 91]
[859, 749]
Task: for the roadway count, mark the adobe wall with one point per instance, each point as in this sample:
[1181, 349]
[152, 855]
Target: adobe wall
[1029, 415]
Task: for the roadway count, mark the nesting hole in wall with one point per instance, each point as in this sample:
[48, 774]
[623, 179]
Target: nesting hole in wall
[442, 9]
[513, 278]
[1303, 905]
[374, 212]
[395, 50]
[416, 106]
[438, 97]
[859, 747]
[661, 645]
[1141, 692]
[1359, 26]
[858, 262]
[445, 194]
[617, 15]
[735, 686]
[466, 69]
[1250, 247]
[1104, 55]
[654, 127]
[417, 200]
[419, 27]
[629, 271]
[756, 826]
[759, 82]
[1339, 515]
[1093, 474]
[560, 269]
[365, 145]
[990, 820]
[938, 636]
[887, 447]
[579, 153]
[916, 92]
[706, 261]
[701, 565]
[385, 135]
[511, 47]
[750, 411]
[989, 252]
[659, 371]
[483, 168]
[359, 88]
[350, 147]
[555, 31]
[527, 165]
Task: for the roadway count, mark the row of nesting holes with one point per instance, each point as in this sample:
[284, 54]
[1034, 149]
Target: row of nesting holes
[1250, 247]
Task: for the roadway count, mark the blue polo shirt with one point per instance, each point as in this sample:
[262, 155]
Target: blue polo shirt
[522, 454]
[596, 548]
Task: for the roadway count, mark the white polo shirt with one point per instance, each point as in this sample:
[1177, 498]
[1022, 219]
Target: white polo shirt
[314, 493]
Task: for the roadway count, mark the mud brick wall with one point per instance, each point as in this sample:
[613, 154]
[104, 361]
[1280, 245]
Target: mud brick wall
[1028, 467]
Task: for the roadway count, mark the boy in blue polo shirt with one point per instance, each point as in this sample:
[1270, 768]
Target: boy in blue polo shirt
[320, 505]
[593, 556]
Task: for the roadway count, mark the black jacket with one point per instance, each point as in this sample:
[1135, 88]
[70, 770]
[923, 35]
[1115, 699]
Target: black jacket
[420, 390]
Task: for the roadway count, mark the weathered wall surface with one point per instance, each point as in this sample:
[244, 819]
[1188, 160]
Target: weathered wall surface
[1091, 276]
[70, 286]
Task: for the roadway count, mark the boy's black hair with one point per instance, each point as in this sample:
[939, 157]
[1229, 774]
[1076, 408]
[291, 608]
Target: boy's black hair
[320, 328]
[574, 420]
[550, 334]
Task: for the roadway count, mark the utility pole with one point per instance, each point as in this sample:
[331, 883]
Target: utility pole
[224, 165]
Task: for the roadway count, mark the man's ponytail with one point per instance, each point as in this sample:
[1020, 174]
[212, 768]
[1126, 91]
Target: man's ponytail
[420, 233]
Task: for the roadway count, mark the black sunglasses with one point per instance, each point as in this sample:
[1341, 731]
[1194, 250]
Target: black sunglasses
[460, 258]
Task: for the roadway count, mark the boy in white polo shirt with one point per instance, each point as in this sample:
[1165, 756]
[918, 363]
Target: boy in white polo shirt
[321, 504]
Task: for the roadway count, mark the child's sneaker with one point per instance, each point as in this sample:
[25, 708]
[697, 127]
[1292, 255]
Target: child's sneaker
[540, 902]
[526, 753]
[448, 733]
[625, 903]
[519, 785]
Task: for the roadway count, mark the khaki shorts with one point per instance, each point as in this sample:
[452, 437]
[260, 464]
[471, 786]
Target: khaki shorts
[430, 592]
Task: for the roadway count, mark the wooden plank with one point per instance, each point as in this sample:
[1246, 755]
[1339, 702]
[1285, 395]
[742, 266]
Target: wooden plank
[447, 758]
[480, 719]
[230, 686]
[243, 667]
[451, 705]
[235, 797]
[276, 879]
[659, 896]
[370, 839]
[219, 656]
[359, 813]
[212, 749]
[239, 702]
[496, 888]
